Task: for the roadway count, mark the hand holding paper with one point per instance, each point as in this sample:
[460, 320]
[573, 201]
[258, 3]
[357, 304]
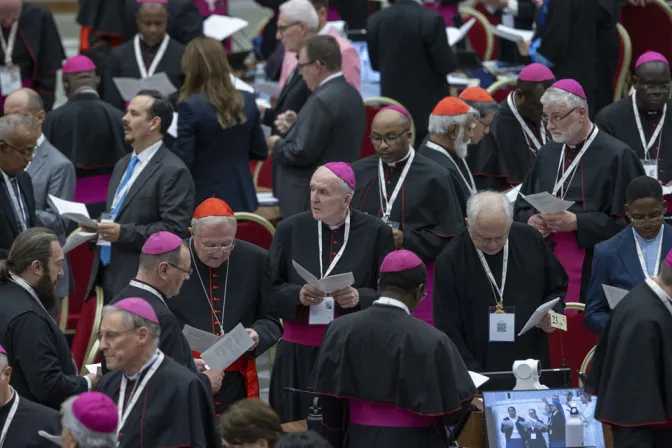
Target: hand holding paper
[328, 284]
[614, 295]
[74, 211]
[228, 348]
[538, 315]
[546, 203]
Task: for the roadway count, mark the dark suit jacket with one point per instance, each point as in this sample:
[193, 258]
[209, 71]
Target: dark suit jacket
[615, 263]
[556, 427]
[409, 47]
[184, 20]
[9, 227]
[329, 128]
[293, 96]
[508, 430]
[219, 158]
[161, 198]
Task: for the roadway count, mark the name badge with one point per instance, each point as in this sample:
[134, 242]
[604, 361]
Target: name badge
[651, 168]
[322, 313]
[10, 79]
[502, 324]
[533, 436]
[101, 241]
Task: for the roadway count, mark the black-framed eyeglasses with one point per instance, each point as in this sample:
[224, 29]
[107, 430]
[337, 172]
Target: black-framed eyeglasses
[303, 65]
[282, 28]
[188, 272]
[377, 139]
[652, 221]
[23, 152]
[555, 118]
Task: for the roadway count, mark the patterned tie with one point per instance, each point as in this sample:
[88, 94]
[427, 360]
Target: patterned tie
[106, 251]
[23, 221]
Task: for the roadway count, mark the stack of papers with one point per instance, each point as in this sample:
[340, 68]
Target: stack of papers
[328, 284]
[538, 315]
[220, 27]
[457, 34]
[614, 295]
[546, 203]
[77, 240]
[199, 340]
[512, 34]
[129, 87]
[267, 199]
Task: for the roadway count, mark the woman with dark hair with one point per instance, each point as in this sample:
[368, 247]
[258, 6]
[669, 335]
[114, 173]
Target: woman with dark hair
[218, 128]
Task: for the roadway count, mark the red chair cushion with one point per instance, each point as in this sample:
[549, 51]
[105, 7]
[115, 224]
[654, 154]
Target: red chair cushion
[501, 94]
[646, 26]
[572, 345]
[254, 233]
[81, 261]
[80, 340]
[265, 178]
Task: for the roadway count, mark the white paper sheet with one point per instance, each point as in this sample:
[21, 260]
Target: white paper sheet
[328, 284]
[512, 34]
[455, 80]
[199, 340]
[172, 130]
[129, 87]
[228, 349]
[322, 313]
[239, 84]
[270, 88]
[56, 439]
[478, 379]
[545, 202]
[512, 194]
[96, 369]
[264, 104]
[74, 211]
[220, 27]
[267, 199]
[667, 190]
[336, 26]
[538, 315]
[457, 34]
[614, 295]
[77, 240]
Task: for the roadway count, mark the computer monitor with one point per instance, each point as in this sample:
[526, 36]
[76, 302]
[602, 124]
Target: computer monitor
[553, 378]
[542, 419]
[368, 75]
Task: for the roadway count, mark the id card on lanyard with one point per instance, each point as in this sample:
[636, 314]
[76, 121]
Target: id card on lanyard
[650, 165]
[144, 73]
[385, 203]
[502, 322]
[10, 74]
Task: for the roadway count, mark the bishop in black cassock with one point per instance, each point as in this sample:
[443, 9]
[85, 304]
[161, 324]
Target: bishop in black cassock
[348, 241]
[162, 403]
[505, 155]
[419, 202]
[587, 167]
[230, 285]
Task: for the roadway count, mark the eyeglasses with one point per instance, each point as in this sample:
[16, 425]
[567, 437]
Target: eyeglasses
[303, 65]
[484, 124]
[556, 118]
[215, 249]
[110, 335]
[188, 272]
[282, 28]
[651, 221]
[377, 139]
[23, 152]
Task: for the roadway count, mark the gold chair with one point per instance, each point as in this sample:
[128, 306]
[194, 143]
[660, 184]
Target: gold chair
[63, 317]
[94, 344]
[575, 306]
[624, 69]
[487, 47]
[586, 363]
[255, 174]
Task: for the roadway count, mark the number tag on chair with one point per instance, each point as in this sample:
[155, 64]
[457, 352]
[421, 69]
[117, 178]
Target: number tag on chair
[558, 321]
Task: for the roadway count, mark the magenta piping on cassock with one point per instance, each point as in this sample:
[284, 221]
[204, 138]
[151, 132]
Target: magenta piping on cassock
[384, 415]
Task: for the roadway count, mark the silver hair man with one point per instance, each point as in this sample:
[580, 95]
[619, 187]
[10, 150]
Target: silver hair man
[566, 116]
[83, 436]
[453, 131]
[133, 322]
[489, 220]
[301, 11]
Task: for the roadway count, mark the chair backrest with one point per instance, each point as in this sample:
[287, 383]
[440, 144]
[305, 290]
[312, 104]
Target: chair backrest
[501, 89]
[647, 26]
[254, 229]
[480, 35]
[255, 167]
[372, 106]
[263, 173]
[87, 329]
[81, 261]
[624, 58]
[585, 365]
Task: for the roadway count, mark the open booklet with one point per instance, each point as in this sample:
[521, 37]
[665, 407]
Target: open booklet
[220, 27]
[614, 295]
[546, 203]
[538, 315]
[455, 35]
[512, 34]
[129, 87]
[219, 352]
[328, 284]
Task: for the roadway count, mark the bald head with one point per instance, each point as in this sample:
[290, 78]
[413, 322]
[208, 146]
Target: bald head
[10, 10]
[391, 135]
[25, 101]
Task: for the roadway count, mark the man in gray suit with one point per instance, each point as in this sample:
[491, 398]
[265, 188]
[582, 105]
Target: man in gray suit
[329, 128]
[50, 171]
[151, 190]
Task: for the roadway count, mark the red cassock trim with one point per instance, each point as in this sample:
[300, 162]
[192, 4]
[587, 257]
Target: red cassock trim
[248, 368]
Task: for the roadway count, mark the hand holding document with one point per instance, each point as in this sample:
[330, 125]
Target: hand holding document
[546, 203]
[129, 87]
[228, 348]
[455, 35]
[220, 27]
[77, 240]
[478, 379]
[512, 34]
[199, 340]
[538, 315]
[96, 369]
[614, 295]
[328, 284]
[74, 211]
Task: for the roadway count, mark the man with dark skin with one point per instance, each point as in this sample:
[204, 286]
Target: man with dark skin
[643, 120]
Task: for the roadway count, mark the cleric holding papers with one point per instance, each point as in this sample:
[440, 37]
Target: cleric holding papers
[644, 120]
[625, 260]
[348, 241]
[630, 373]
[230, 284]
[387, 410]
[161, 403]
[586, 167]
[490, 280]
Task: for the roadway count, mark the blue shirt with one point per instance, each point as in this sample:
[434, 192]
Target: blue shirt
[649, 250]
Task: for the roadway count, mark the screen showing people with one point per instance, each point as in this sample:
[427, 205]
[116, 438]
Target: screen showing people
[542, 419]
[368, 75]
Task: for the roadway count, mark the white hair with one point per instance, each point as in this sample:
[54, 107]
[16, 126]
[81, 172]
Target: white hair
[439, 124]
[554, 95]
[85, 437]
[301, 11]
[489, 203]
[4, 362]
[196, 223]
[133, 321]
[347, 189]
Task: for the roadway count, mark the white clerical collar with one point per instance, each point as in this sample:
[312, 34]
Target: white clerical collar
[403, 159]
[40, 140]
[393, 302]
[330, 77]
[136, 375]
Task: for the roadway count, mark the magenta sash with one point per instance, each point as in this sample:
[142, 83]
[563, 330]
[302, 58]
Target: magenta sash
[571, 257]
[668, 199]
[303, 334]
[424, 311]
[92, 190]
[27, 83]
[385, 415]
[448, 12]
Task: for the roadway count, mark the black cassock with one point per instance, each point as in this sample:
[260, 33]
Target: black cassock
[505, 155]
[28, 420]
[630, 373]
[43, 369]
[240, 286]
[463, 295]
[123, 64]
[174, 409]
[296, 239]
[38, 51]
[618, 120]
[597, 189]
[366, 373]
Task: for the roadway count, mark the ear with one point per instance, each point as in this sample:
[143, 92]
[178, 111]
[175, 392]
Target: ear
[466, 222]
[163, 268]
[627, 208]
[453, 131]
[41, 115]
[97, 82]
[191, 231]
[143, 333]
[37, 267]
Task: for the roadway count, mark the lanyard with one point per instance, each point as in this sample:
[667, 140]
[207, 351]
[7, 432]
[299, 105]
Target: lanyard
[572, 167]
[10, 417]
[656, 133]
[135, 394]
[8, 45]
[144, 73]
[471, 185]
[488, 272]
[29, 289]
[147, 288]
[207, 296]
[389, 203]
[642, 261]
[660, 293]
[529, 135]
[392, 302]
[17, 203]
[121, 192]
[340, 252]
